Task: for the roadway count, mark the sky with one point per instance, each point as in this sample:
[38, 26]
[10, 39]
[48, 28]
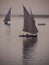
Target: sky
[36, 6]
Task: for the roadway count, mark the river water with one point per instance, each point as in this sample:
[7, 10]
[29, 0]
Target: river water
[23, 51]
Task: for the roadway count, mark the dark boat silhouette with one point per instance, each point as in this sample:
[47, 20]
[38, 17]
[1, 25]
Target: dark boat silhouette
[7, 18]
[29, 25]
[42, 24]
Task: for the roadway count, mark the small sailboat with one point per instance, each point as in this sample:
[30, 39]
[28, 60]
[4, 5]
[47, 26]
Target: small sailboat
[7, 18]
[42, 24]
[29, 25]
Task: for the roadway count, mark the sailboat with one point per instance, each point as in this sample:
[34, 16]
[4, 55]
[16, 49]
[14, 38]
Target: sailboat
[7, 18]
[42, 24]
[29, 24]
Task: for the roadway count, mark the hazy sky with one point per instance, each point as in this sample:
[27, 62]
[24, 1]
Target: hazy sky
[37, 6]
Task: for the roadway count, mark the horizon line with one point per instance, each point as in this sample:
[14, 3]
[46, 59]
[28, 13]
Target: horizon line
[34, 15]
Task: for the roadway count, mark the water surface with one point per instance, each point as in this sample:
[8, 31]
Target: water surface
[23, 51]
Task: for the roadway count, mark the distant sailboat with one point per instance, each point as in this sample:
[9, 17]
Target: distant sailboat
[29, 24]
[7, 18]
[42, 24]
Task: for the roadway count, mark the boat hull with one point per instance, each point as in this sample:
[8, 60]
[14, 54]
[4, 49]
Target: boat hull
[7, 23]
[27, 35]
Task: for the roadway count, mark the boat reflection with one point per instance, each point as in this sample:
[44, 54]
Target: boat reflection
[29, 45]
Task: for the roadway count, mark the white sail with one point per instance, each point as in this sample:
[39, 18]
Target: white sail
[7, 18]
[29, 23]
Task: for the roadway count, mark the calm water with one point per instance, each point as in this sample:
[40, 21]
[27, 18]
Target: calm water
[23, 51]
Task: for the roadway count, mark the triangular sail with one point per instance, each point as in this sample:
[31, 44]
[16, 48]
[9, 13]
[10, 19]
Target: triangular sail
[34, 24]
[29, 23]
[7, 18]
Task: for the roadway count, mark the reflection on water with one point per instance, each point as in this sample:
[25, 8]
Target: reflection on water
[23, 51]
[29, 45]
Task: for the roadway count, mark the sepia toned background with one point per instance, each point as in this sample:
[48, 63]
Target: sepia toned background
[24, 51]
